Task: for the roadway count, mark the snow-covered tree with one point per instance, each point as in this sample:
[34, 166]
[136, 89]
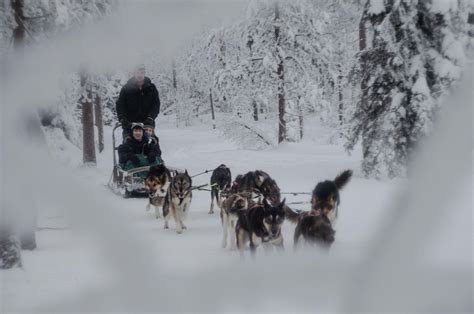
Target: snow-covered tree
[411, 54]
[277, 62]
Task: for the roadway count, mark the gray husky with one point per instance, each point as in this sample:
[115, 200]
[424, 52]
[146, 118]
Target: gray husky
[178, 200]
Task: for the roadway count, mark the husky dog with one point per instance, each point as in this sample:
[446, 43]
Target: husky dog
[221, 180]
[230, 209]
[178, 200]
[325, 198]
[258, 182]
[315, 228]
[260, 224]
[157, 183]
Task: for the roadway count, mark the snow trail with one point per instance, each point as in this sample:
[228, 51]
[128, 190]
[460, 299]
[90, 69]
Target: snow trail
[84, 263]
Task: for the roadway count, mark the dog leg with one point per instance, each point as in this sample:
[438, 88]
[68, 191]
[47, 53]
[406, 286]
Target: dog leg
[177, 220]
[157, 212]
[183, 214]
[267, 248]
[167, 217]
[148, 207]
[242, 238]
[253, 249]
[233, 240]
[166, 211]
[224, 229]
[279, 244]
[296, 237]
[211, 210]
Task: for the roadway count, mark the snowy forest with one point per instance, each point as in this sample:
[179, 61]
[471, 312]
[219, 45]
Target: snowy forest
[375, 73]
[306, 87]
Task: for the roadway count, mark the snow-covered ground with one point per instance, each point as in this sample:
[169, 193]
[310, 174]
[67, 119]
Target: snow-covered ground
[107, 253]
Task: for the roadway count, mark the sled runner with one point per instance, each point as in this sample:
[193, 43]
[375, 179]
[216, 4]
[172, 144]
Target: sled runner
[127, 179]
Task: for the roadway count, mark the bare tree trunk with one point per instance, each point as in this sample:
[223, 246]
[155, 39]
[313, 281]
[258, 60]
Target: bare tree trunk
[341, 96]
[173, 70]
[255, 110]
[300, 117]
[252, 80]
[212, 109]
[281, 77]
[88, 143]
[19, 31]
[363, 81]
[99, 121]
[27, 219]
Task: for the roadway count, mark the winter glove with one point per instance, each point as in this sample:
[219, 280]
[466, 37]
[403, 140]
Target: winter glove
[135, 160]
[149, 121]
[147, 148]
[151, 159]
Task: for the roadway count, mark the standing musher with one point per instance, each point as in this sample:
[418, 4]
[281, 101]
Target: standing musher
[138, 102]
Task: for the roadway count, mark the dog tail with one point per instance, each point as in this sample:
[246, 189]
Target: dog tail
[343, 178]
[292, 215]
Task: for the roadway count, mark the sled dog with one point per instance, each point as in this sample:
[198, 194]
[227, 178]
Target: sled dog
[178, 200]
[258, 182]
[325, 198]
[260, 224]
[315, 229]
[157, 183]
[221, 179]
[230, 209]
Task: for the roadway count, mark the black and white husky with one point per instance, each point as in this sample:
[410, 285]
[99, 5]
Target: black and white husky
[325, 198]
[260, 224]
[157, 183]
[178, 200]
[258, 182]
[314, 228]
[221, 180]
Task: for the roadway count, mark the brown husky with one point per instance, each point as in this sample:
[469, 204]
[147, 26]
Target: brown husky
[157, 184]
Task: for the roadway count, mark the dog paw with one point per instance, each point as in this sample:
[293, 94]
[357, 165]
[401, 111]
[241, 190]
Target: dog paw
[211, 212]
[179, 231]
[166, 226]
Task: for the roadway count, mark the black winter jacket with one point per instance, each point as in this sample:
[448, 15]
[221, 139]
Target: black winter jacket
[135, 104]
[133, 147]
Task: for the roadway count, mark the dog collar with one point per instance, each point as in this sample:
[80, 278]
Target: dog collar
[311, 213]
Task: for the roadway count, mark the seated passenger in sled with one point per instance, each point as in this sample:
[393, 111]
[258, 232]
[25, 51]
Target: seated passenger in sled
[149, 134]
[137, 151]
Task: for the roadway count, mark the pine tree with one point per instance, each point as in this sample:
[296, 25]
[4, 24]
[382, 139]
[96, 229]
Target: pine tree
[406, 69]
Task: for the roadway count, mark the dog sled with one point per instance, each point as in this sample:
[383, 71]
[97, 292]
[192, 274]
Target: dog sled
[126, 180]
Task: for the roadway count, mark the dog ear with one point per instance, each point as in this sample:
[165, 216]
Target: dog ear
[259, 178]
[283, 202]
[186, 172]
[265, 204]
